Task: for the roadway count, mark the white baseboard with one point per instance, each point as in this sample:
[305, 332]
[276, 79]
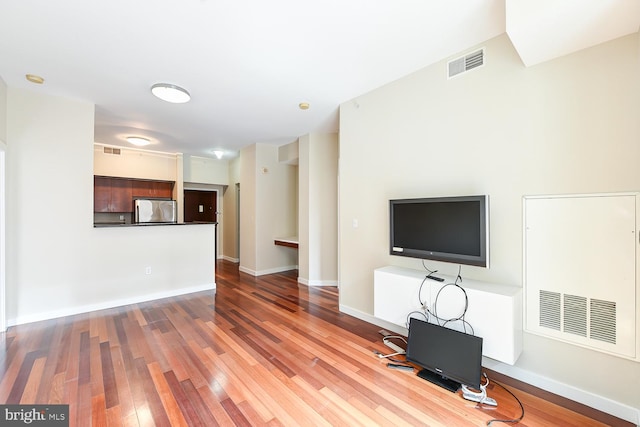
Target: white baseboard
[268, 271]
[20, 320]
[392, 327]
[307, 282]
[230, 259]
[567, 391]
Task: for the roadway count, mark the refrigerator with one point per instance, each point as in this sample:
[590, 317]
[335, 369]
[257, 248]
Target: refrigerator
[155, 211]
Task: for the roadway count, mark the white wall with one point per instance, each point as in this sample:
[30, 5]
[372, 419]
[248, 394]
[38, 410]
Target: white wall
[136, 163]
[3, 110]
[566, 126]
[3, 157]
[317, 209]
[205, 170]
[304, 195]
[57, 262]
[269, 210]
[230, 213]
[277, 208]
[248, 227]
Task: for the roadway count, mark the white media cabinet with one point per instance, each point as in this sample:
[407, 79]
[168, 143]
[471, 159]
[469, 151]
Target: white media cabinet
[494, 311]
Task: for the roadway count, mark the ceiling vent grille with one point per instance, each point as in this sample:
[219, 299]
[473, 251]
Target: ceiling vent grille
[465, 63]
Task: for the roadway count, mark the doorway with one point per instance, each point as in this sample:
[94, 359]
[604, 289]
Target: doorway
[200, 206]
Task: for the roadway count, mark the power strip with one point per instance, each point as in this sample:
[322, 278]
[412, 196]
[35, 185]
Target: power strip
[480, 397]
[386, 340]
[393, 346]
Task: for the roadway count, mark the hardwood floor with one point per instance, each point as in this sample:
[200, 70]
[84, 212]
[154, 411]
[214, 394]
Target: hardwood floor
[263, 351]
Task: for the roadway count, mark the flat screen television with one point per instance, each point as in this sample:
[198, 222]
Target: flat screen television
[449, 229]
[448, 357]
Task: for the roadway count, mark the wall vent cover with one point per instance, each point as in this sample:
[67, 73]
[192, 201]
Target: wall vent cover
[465, 63]
[550, 310]
[590, 307]
[603, 320]
[575, 315]
[111, 150]
[568, 314]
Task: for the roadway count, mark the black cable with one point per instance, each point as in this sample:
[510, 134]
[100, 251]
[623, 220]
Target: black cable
[428, 271]
[427, 313]
[422, 304]
[454, 319]
[421, 313]
[459, 276]
[515, 420]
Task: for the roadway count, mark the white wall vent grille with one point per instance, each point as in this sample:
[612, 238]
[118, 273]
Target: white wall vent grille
[570, 311]
[550, 310]
[465, 63]
[575, 315]
[603, 321]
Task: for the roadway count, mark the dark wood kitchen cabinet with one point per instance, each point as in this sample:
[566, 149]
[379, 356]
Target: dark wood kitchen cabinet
[112, 195]
[154, 189]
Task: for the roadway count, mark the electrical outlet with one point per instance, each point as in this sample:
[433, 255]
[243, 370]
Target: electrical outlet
[147, 270]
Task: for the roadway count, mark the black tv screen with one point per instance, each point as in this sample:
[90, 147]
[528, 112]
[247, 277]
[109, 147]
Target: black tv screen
[449, 357]
[449, 229]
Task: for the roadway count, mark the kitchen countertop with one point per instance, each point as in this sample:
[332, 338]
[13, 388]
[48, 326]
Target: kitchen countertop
[145, 224]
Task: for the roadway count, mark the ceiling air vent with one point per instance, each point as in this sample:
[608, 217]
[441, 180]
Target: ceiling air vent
[465, 63]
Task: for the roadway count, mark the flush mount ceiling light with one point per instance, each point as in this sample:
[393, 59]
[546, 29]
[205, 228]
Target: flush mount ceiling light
[170, 93]
[138, 140]
[218, 154]
[34, 79]
[303, 105]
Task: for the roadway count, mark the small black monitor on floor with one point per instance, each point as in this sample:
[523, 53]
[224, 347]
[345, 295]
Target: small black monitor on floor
[448, 357]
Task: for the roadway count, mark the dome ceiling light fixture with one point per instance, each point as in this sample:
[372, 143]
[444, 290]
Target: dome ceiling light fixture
[303, 105]
[170, 93]
[138, 140]
[218, 153]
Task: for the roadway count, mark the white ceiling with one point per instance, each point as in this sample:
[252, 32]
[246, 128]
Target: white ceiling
[249, 63]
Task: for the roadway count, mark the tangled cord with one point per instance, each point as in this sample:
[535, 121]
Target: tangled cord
[427, 314]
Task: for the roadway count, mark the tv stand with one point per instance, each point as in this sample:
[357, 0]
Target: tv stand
[494, 310]
[449, 384]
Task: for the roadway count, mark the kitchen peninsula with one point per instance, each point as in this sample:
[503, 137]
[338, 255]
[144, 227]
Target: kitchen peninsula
[150, 262]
